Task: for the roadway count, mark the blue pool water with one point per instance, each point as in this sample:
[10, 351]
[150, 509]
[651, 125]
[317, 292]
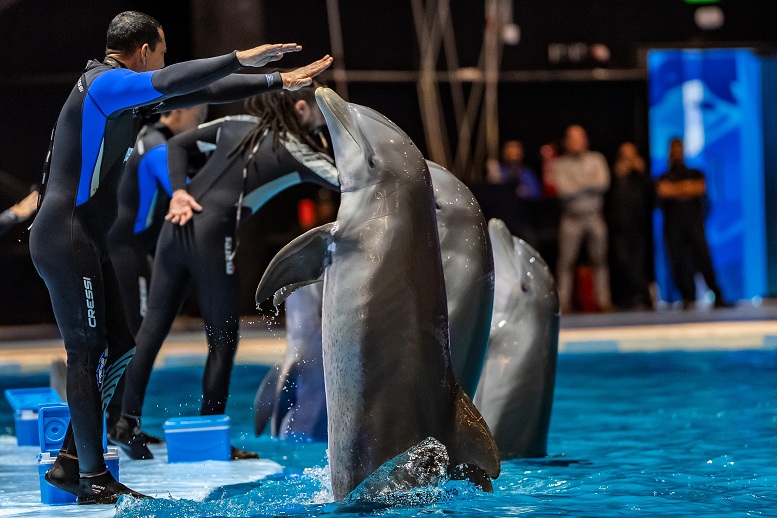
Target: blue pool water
[662, 434]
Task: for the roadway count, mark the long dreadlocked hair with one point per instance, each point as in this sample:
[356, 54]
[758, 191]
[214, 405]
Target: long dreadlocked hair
[277, 115]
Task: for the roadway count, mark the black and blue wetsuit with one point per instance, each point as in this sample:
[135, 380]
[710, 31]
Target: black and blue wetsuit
[95, 132]
[143, 196]
[203, 249]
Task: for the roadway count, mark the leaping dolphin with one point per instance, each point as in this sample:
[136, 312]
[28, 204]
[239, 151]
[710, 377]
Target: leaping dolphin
[468, 266]
[515, 394]
[387, 367]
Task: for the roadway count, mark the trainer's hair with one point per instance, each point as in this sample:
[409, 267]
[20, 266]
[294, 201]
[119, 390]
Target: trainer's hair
[277, 116]
[130, 30]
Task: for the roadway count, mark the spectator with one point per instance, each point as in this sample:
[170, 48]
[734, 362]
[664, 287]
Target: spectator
[682, 194]
[628, 208]
[582, 177]
[19, 212]
[512, 170]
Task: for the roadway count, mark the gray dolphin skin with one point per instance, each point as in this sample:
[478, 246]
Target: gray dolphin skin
[297, 409]
[387, 367]
[515, 394]
[468, 266]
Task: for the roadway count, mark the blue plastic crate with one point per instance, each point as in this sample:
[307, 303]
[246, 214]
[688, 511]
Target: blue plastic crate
[25, 403]
[198, 438]
[50, 495]
[53, 420]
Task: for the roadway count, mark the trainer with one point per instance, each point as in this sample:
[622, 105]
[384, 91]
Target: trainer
[93, 136]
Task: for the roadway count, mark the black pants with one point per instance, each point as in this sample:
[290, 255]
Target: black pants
[194, 252]
[689, 253]
[628, 271]
[89, 312]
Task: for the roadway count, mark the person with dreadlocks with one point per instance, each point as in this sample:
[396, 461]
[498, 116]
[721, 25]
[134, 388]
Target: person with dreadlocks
[254, 157]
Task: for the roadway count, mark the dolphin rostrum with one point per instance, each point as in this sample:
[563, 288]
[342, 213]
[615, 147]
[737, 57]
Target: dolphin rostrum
[515, 394]
[387, 367]
[468, 266]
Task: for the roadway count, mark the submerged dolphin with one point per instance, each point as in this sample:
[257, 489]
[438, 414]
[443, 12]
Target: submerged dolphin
[389, 382]
[292, 395]
[468, 266]
[515, 394]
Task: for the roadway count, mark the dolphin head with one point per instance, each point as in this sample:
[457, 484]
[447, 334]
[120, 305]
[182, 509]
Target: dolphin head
[523, 278]
[368, 147]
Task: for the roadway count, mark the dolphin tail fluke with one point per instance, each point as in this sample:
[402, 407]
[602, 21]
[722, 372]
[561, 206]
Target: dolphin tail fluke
[298, 264]
[472, 444]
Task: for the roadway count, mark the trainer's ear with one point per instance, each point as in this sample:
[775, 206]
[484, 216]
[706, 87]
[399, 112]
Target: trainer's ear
[144, 53]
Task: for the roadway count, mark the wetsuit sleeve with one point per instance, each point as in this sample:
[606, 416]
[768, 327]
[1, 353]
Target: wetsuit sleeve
[153, 165]
[227, 90]
[183, 146]
[119, 89]
[7, 220]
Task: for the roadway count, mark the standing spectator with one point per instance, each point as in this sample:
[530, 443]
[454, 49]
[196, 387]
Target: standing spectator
[512, 170]
[682, 194]
[19, 212]
[582, 177]
[628, 208]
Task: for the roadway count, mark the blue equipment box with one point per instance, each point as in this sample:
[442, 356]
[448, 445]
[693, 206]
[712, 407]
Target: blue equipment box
[197, 438]
[53, 496]
[53, 420]
[25, 403]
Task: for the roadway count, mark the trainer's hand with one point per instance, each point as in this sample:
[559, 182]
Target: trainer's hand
[182, 207]
[25, 208]
[263, 54]
[303, 76]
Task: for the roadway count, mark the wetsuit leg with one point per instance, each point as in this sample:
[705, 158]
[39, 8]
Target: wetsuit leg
[218, 293]
[166, 293]
[682, 263]
[132, 267]
[69, 263]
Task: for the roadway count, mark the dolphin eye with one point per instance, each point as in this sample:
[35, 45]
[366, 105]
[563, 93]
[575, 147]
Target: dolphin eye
[371, 163]
[524, 287]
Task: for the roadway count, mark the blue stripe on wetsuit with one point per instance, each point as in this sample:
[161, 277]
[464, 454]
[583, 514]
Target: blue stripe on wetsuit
[152, 174]
[113, 90]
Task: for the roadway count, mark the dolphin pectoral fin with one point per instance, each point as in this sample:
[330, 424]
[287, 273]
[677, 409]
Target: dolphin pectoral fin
[283, 293]
[264, 403]
[299, 263]
[472, 443]
[285, 398]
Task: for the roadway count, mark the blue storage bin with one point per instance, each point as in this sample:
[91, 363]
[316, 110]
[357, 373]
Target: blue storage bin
[53, 420]
[50, 495]
[197, 438]
[25, 403]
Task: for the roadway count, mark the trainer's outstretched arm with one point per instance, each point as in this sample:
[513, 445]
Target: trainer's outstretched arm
[303, 76]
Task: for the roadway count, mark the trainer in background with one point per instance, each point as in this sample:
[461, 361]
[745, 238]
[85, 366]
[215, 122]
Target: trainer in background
[19, 212]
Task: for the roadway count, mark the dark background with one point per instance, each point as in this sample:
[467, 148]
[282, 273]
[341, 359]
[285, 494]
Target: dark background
[44, 44]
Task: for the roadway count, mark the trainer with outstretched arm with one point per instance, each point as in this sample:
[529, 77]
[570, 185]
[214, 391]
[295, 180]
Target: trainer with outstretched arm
[93, 137]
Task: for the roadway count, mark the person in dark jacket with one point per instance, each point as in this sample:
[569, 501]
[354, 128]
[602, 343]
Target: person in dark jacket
[629, 206]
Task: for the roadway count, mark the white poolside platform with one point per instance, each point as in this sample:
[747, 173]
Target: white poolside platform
[30, 348]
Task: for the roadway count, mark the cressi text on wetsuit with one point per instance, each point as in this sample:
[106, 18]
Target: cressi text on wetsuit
[95, 132]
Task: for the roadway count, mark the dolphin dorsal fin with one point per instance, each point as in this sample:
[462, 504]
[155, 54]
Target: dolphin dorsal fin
[298, 264]
[471, 441]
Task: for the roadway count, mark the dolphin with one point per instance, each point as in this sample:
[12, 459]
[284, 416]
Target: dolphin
[387, 367]
[468, 266]
[296, 388]
[515, 393]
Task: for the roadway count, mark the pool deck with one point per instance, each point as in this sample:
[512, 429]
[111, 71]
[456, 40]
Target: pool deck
[30, 348]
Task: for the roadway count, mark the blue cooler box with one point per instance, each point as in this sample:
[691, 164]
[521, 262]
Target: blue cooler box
[25, 404]
[197, 438]
[51, 495]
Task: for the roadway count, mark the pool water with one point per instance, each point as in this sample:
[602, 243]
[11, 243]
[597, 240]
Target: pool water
[659, 434]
